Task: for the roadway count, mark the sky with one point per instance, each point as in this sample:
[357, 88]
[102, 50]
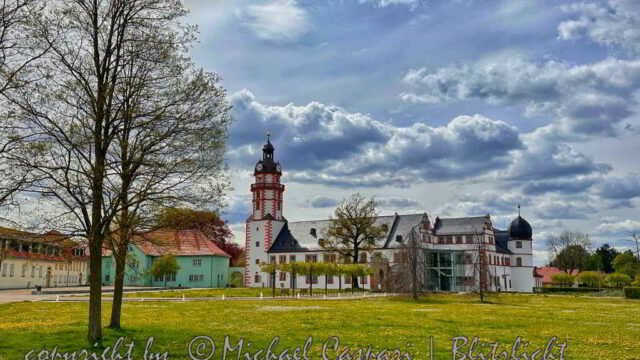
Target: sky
[454, 108]
[450, 107]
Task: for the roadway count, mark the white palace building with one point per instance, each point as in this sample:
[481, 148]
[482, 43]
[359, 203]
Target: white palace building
[450, 244]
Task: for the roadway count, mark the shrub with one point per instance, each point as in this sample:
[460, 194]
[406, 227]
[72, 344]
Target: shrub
[563, 278]
[637, 282]
[619, 279]
[590, 278]
[632, 292]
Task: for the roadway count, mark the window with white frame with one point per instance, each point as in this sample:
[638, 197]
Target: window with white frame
[197, 262]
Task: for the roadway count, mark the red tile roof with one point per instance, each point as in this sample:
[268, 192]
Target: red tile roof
[51, 238]
[177, 242]
[546, 272]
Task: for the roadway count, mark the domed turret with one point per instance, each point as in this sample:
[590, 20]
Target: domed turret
[267, 164]
[520, 229]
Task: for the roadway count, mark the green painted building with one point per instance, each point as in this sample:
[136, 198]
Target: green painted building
[202, 263]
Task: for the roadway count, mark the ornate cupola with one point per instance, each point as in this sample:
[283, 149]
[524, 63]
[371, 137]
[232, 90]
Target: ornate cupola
[267, 190]
[520, 229]
[267, 164]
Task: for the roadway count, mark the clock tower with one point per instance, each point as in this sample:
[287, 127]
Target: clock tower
[266, 189]
[266, 218]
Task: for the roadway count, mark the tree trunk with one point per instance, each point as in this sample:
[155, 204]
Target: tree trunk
[273, 283]
[116, 306]
[94, 334]
[414, 271]
[121, 248]
[293, 282]
[340, 283]
[310, 282]
[325, 284]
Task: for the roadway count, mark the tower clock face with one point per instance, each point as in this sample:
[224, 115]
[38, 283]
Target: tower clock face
[259, 167]
[278, 167]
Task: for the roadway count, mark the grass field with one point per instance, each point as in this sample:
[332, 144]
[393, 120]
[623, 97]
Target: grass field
[595, 328]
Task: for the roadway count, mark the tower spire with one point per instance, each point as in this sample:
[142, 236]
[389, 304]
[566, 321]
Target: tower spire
[518, 209]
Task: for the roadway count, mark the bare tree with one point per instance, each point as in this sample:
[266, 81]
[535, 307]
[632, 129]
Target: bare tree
[16, 59]
[635, 240]
[72, 113]
[352, 230]
[569, 250]
[408, 273]
[169, 148]
[483, 276]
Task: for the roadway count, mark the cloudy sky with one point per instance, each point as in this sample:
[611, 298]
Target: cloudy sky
[455, 108]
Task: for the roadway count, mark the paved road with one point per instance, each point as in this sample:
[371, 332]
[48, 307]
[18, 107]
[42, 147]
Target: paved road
[7, 296]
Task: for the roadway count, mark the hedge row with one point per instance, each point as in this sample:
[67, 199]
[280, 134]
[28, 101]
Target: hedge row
[632, 292]
[567, 289]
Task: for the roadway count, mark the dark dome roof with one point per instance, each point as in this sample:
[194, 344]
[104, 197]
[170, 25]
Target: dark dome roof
[267, 146]
[520, 229]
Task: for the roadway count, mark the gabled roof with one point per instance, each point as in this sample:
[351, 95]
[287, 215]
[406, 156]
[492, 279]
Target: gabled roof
[285, 242]
[301, 230]
[178, 243]
[462, 225]
[547, 273]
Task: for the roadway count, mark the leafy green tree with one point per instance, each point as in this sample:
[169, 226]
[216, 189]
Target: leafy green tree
[594, 262]
[294, 269]
[569, 250]
[627, 263]
[590, 278]
[271, 268]
[607, 254]
[637, 281]
[563, 278]
[352, 230]
[164, 266]
[619, 279]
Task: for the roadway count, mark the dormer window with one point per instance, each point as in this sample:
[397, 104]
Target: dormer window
[399, 238]
[313, 232]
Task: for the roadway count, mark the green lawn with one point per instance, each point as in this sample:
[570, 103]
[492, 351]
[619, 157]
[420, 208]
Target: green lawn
[596, 328]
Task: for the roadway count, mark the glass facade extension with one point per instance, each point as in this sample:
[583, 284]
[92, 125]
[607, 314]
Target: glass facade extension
[445, 271]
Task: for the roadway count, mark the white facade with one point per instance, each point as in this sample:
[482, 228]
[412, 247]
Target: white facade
[28, 260]
[27, 274]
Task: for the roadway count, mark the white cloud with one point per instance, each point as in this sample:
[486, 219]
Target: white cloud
[618, 228]
[614, 23]
[327, 144]
[545, 157]
[583, 99]
[385, 3]
[280, 21]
